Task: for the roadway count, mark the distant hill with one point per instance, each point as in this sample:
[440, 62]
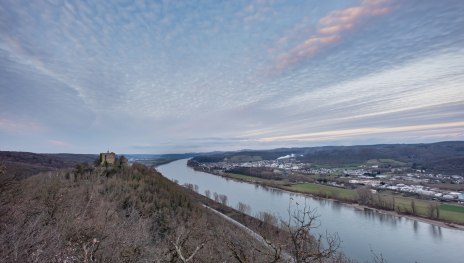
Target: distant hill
[24, 164]
[154, 160]
[444, 157]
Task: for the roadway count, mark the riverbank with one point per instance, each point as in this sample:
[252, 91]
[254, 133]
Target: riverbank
[416, 218]
[344, 200]
[155, 162]
[359, 230]
[259, 228]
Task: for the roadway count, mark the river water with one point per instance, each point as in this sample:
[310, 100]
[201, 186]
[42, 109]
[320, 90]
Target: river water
[361, 231]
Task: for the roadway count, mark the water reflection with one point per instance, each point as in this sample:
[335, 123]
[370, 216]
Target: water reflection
[435, 231]
[297, 195]
[398, 239]
[415, 226]
[276, 191]
[374, 216]
[336, 206]
[324, 202]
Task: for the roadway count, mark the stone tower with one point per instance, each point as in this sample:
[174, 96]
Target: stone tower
[108, 158]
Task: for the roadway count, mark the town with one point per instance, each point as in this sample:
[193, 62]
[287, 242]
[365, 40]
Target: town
[405, 180]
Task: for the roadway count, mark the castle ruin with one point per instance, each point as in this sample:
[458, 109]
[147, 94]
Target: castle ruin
[107, 158]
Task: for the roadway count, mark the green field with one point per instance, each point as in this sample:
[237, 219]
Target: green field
[452, 208]
[324, 190]
[404, 204]
[453, 213]
[448, 212]
[254, 179]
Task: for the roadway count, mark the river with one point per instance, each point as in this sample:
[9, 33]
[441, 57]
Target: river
[398, 239]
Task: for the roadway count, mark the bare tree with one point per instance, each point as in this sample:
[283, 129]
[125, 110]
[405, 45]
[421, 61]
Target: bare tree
[413, 207]
[223, 199]
[208, 193]
[292, 241]
[364, 195]
[182, 236]
[6, 180]
[434, 210]
[191, 240]
[244, 208]
[2, 169]
[377, 258]
[268, 218]
[254, 245]
[189, 186]
[438, 210]
[305, 247]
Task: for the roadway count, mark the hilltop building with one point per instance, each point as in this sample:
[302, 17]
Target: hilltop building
[107, 158]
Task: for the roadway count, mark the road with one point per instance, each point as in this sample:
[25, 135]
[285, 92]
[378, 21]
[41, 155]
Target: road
[252, 233]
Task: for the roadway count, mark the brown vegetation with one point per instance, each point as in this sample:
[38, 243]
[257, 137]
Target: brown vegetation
[24, 164]
[126, 214]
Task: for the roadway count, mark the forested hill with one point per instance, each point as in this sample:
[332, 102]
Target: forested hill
[121, 213]
[24, 164]
[96, 214]
[446, 157]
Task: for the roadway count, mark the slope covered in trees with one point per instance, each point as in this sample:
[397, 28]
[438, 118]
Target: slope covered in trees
[24, 164]
[132, 214]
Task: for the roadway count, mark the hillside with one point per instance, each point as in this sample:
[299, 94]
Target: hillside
[24, 164]
[128, 214]
[122, 214]
[444, 157]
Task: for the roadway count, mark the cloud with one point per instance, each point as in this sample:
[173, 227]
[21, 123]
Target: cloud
[59, 143]
[257, 11]
[339, 134]
[21, 56]
[332, 29]
[426, 91]
[425, 82]
[20, 126]
[188, 75]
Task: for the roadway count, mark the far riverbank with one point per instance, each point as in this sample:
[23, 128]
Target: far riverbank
[353, 204]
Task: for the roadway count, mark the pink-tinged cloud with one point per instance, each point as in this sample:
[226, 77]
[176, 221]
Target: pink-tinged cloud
[19, 126]
[59, 143]
[331, 29]
[436, 130]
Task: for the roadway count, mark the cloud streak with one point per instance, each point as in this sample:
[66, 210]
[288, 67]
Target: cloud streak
[332, 28]
[20, 126]
[59, 143]
[179, 75]
[340, 134]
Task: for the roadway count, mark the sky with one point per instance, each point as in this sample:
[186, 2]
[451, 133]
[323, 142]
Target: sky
[197, 76]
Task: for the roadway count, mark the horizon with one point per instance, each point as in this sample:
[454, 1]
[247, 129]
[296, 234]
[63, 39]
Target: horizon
[184, 77]
[239, 150]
